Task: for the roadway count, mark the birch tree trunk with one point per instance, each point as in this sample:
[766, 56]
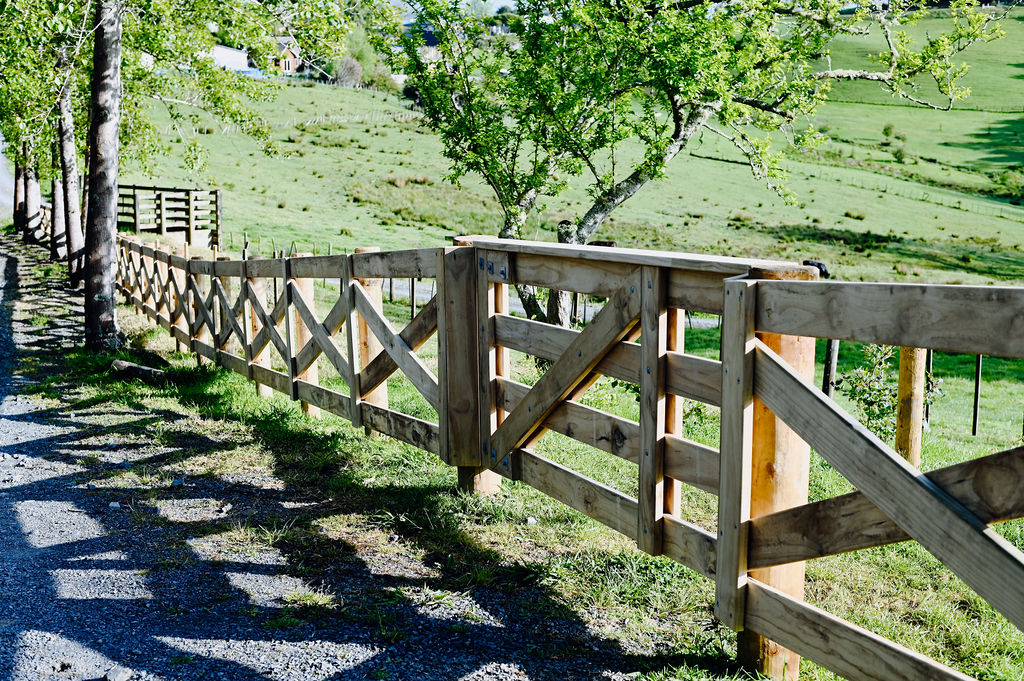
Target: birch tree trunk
[74, 236]
[101, 330]
[33, 205]
[58, 222]
[19, 197]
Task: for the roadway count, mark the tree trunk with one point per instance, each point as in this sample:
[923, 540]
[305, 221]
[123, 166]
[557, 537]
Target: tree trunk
[19, 196]
[101, 330]
[58, 222]
[74, 236]
[33, 205]
[513, 229]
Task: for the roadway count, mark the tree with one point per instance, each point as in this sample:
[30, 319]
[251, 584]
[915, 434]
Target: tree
[101, 330]
[142, 52]
[608, 92]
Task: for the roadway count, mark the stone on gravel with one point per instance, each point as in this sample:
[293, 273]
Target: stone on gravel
[118, 673]
[115, 506]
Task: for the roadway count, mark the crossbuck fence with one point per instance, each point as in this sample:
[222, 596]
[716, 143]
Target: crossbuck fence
[771, 414]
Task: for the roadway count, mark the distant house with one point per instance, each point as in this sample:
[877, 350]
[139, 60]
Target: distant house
[289, 59]
[230, 59]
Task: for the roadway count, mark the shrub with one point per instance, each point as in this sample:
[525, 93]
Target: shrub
[873, 388]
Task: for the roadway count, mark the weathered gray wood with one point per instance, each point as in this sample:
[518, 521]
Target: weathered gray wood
[634, 256]
[836, 644]
[988, 487]
[963, 542]
[974, 319]
[400, 426]
[600, 502]
[653, 347]
[419, 263]
[562, 273]
[322, 338]
[737, 439]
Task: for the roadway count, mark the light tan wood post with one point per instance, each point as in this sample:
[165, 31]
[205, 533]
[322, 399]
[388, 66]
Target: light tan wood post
[160, 265]
[262, 359]
[223, 324]
[458, 367]
[910, 403]
[653, 346]
[202, 335]
[780, 467]
[369, 346]
[180, 301]
[303, 335]
[675, 341]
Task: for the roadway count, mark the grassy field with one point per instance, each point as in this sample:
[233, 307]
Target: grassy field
[357, 170]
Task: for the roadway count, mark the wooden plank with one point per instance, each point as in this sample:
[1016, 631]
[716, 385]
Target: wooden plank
[973, 319]
[408, 361]
[689, 376]
[989, 487]
[401, 427]
[690, 545]
[696, 378]
[695, 290]
[602, 503]
[833, 643]
[590, 426]
[675, 339]
[653, 346]
[369, 345]
[737, 443]
[567, 274]
[318, 267]
[233, 362]
[265, 268]
[418, 332]
[963, 542]
[581, 356]
[419, 263]
[308, 332]
[692, 463]
[323, 398]
[269, 332]
[634, 256]
[275, 379]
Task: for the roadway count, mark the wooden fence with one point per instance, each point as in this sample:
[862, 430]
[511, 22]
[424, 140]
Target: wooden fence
[484, 422]
[165, 210]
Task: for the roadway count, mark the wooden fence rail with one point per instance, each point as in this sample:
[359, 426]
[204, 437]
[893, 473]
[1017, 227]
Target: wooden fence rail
[475, 416]
[164, 210]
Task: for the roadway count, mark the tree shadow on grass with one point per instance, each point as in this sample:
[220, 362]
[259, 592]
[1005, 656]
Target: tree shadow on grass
[985, 259]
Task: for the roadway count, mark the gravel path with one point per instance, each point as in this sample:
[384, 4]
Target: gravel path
[102, 581]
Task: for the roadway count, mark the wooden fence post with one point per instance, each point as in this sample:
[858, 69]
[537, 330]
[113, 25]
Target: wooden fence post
[828, 377]
[910, 404]
[674, 341]
[161, 212]
[217, 204]
[178, 301]
[262, 359]
[369, 345]
[136, 214]
[200, 335]
[458, 365]
[780, 468]
[653, 346]
[303, 335]
[190, 233]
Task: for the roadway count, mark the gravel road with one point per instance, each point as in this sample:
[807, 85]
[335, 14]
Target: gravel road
[105, 582]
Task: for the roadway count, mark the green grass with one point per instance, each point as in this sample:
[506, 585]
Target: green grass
[358, 170]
